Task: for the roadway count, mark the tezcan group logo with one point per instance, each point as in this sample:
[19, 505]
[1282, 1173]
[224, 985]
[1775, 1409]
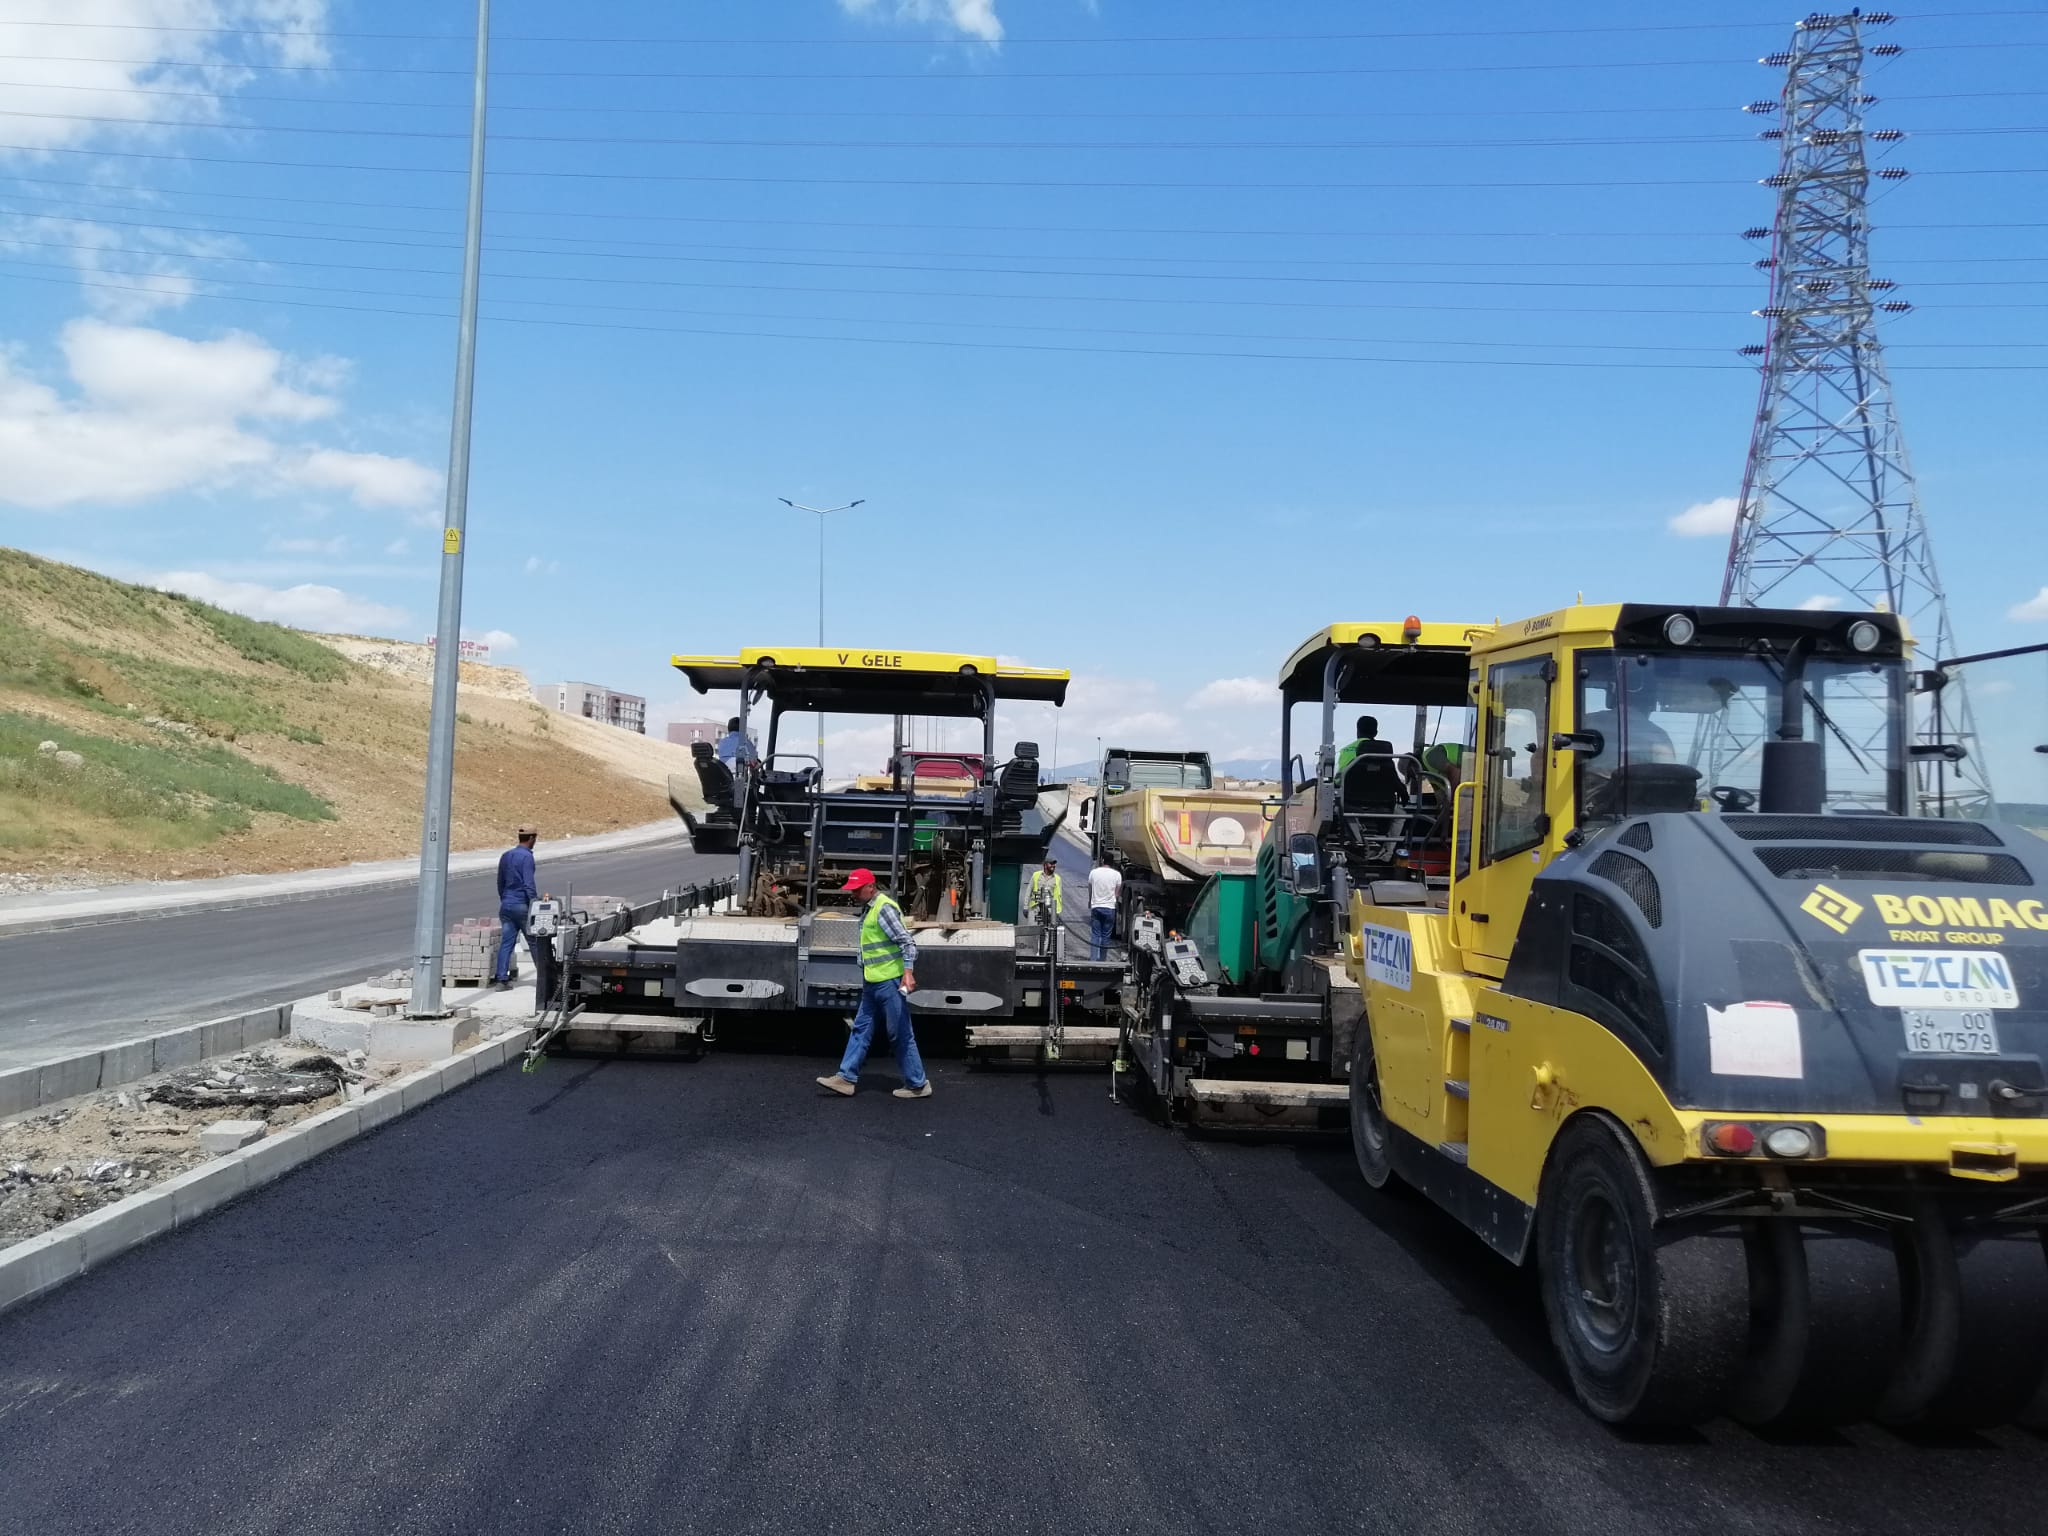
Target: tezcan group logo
[1830, 906]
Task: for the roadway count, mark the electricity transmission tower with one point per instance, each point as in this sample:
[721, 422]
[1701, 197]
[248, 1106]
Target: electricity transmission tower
[1829, 514]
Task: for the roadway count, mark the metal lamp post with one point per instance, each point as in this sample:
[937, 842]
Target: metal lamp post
[823, 513]
[430, 922]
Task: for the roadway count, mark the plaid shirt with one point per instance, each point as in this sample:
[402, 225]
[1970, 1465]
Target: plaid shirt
[891, 919]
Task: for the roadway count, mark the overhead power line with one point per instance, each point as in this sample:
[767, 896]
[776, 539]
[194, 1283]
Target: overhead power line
[1205, 232]
[1206, 146]
[967, 42]
[362, 234]
[899, 181]
[1463, 114]
[1330, 71]
[1003, 346]
[773, 256]
[592, 280]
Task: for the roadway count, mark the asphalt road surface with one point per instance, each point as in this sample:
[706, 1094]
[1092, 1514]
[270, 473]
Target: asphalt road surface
[650, 1297]
[77, 988]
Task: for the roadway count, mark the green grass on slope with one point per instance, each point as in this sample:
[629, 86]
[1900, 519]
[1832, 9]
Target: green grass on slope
[122, 628]
[170, 795]
[270, 643]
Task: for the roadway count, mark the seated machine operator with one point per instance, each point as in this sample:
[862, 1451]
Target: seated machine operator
[1367, 740]
[1631, 731]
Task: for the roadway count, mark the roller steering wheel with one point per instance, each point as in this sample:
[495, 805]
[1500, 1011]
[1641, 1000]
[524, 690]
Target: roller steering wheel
[1732, 798]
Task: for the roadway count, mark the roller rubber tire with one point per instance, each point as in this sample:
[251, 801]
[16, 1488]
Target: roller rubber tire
[1651, 1322]
[2002, 1332]
[1976, 1342]
[1370, 1134]
[1825, 1321]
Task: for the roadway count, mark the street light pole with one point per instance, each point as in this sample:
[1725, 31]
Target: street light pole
[430, 921]
[823, 513]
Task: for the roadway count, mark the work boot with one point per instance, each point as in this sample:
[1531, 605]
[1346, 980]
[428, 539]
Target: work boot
[924, 1092]
[837, 1084]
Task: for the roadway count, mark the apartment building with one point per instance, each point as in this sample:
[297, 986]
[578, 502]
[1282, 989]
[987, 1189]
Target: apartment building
[627, 711]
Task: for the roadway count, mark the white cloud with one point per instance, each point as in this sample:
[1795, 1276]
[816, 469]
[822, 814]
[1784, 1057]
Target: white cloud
[975, 18]
[1991, 688]
[1820, 602]
[1233, 693]
[397, 547]
[535, 566]
[497, 639]
[139, 72]
[334, 546]
[2033, 611]
[153, 414]
[371, 479]
[307, 606]
[164, 45]
[1706, 519]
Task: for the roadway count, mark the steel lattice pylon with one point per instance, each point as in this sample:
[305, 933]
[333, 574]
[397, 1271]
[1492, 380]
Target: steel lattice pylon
[1829, 513]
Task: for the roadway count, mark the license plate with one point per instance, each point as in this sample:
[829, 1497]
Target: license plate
[1950, 1031]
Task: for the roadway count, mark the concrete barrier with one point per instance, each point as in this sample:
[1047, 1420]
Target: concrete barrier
[127, 1061]
[41, 1264]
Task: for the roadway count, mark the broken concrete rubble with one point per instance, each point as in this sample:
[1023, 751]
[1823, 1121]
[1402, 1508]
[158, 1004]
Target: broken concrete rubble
[231, 1135]
[72, 1158]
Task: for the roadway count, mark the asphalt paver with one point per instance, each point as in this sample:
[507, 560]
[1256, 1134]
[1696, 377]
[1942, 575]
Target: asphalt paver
[650, 1297]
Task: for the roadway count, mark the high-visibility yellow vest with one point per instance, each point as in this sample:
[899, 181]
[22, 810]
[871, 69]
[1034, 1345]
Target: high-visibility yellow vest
[1038, 880]
[881, 959]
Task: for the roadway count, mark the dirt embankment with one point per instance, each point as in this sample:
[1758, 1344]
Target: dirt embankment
[146, 735]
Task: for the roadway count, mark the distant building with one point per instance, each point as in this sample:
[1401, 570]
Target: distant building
[628, 711]
[683, 732]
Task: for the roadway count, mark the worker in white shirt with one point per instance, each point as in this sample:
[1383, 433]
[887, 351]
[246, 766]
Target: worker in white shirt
[1105, 889]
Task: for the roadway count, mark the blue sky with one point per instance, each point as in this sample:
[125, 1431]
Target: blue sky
[1155, 333]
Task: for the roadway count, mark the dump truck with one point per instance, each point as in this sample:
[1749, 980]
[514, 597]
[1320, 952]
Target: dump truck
[1161, 821]
[1239, 1008]
[1741, 1055]
[787, 948]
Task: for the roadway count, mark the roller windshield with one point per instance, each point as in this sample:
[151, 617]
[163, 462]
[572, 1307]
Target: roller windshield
[1682, 731]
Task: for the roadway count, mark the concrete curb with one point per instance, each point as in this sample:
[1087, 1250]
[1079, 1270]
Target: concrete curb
[58, 910]
[45, 1082]
[41, 1264]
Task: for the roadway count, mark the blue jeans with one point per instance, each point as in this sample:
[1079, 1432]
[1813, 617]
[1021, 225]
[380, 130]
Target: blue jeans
[511, 924]
[887, 999]
[1101, 924]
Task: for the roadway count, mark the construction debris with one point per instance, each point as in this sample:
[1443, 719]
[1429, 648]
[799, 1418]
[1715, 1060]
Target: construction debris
[231, 1135]
[77, 1156]
[272, 1083]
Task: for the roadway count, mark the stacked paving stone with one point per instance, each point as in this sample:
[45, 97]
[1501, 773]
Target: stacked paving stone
[470, 950]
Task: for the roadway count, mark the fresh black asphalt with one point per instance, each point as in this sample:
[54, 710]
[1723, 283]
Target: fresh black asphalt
[78, 988]
[655, 1297]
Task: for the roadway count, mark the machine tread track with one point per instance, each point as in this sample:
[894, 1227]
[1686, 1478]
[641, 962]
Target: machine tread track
[1651, 1320]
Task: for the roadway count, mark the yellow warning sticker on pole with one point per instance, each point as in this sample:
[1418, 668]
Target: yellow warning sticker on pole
[451, 541]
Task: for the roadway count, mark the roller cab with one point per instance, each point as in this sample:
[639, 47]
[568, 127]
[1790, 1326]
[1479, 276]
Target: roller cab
[1746, 1059]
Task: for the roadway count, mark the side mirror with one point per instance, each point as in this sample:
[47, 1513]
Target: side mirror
[1947, 751]
[1305, 862]
[1592, 743]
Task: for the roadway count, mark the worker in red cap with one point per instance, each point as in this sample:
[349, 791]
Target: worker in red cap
[888, 963]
